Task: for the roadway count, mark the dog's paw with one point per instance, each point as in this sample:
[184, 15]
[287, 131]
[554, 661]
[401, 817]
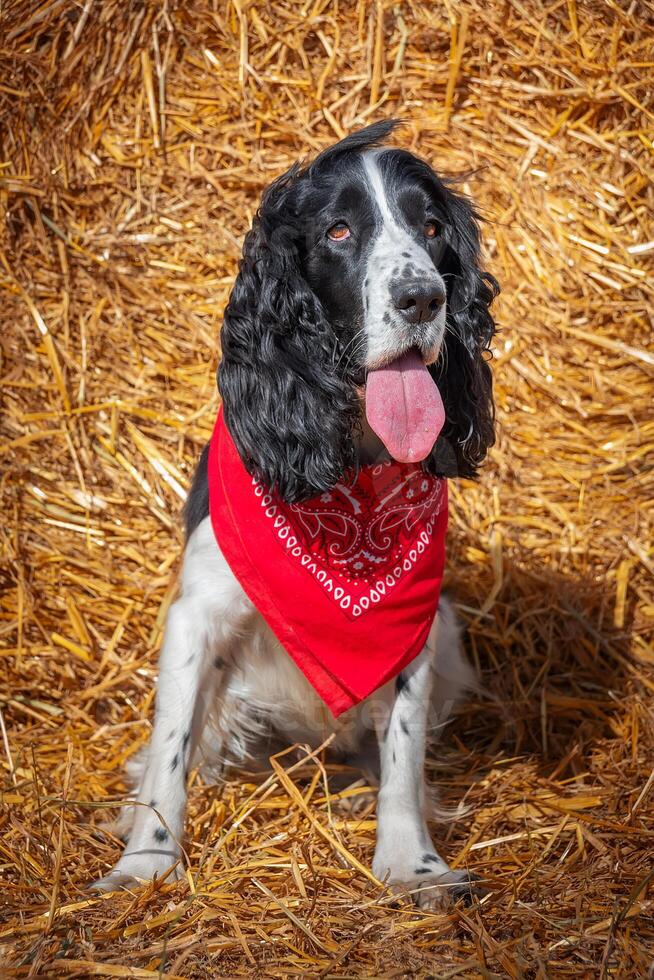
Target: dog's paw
[139, 868]
[428, 881]
[438, 891]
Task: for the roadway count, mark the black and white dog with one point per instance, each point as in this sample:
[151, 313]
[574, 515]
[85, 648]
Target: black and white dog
[352, 260]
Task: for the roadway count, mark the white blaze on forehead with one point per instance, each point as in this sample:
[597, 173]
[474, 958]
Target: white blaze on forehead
[391, 252]
[391, 228]
[376, 184]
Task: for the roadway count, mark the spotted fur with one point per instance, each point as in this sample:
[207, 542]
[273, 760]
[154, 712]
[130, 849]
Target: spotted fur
[307, 318]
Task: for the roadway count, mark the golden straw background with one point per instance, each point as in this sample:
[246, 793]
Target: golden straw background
[136, 140]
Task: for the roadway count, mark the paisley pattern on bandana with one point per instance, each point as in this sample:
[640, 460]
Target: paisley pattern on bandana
[361, 537]
[348, 581]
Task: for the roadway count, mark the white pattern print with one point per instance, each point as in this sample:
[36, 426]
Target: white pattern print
[357, 538]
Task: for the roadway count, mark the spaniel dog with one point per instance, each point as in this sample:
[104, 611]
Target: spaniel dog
[360, 259]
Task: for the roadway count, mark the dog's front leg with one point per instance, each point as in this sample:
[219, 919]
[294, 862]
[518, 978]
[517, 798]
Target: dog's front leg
[405, 856]
[190, 673]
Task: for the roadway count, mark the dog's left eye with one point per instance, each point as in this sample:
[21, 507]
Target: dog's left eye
[339, 232]
[431, 229]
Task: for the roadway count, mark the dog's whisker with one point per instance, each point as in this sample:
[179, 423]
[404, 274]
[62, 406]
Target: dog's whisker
[355, 338]
[360, 347]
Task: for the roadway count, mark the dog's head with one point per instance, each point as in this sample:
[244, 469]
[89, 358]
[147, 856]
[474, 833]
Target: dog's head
[360, 257]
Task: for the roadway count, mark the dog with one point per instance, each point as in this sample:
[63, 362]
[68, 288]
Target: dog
[360, 259]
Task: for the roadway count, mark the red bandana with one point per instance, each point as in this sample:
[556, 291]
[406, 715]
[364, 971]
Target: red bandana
[348, 581]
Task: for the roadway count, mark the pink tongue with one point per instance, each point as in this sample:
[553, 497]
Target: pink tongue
[404, 407]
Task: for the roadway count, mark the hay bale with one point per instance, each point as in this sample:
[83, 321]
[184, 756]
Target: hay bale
[136, 139]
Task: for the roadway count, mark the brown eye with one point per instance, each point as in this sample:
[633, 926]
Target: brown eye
[339, 232]
[431, 229]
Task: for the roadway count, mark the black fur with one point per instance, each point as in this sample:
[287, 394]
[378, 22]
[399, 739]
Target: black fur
[401, 683]
[197, 502]
[463, 373]
[289, 394]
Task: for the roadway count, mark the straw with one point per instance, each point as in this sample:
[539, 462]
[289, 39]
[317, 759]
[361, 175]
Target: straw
[136, 140]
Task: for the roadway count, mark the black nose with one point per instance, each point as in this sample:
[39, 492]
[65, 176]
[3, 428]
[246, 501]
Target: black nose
[417, 301]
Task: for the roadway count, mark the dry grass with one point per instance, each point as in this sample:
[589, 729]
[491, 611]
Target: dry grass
[137, 138]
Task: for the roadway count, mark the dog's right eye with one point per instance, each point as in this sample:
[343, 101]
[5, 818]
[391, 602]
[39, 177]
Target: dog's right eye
[338, 232]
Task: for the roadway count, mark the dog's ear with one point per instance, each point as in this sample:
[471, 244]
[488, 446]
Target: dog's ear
[462, 373]
[287, 411]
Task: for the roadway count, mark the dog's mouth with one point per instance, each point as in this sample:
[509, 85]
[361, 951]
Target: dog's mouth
[404, 407]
